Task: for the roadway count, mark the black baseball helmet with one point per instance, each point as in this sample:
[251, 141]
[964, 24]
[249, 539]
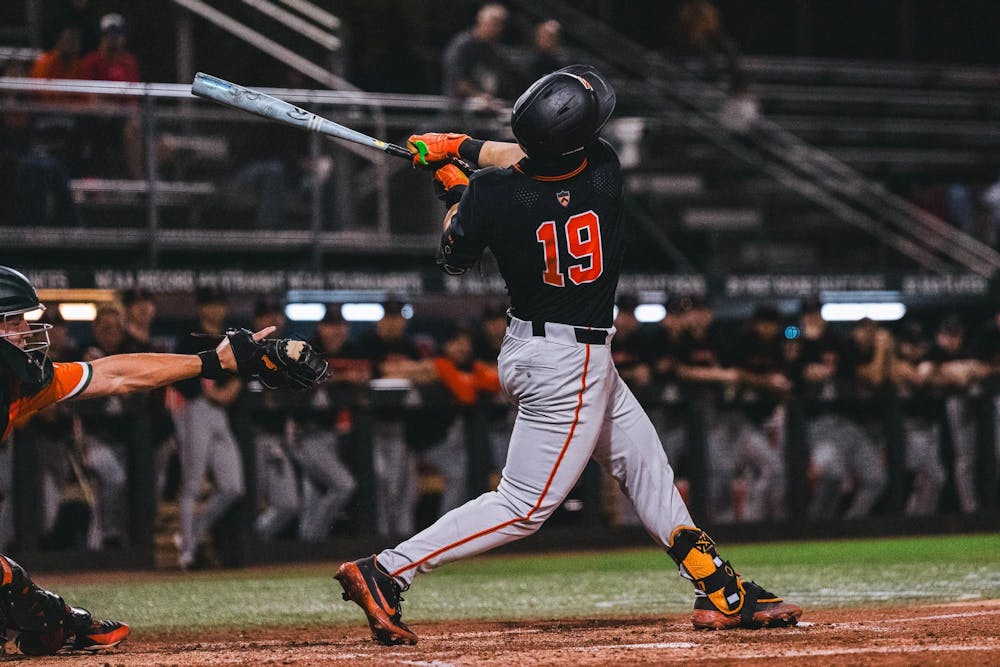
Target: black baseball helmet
[561, 112]
[24, 348]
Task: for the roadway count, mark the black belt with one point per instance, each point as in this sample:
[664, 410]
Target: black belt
[585, 336]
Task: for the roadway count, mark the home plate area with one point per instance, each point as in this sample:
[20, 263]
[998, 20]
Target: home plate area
[949, 634]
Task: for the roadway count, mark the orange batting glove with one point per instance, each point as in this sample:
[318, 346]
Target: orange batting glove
[450, 182]
[434, 147]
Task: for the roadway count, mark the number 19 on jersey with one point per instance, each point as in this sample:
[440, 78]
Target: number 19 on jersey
[582, 234]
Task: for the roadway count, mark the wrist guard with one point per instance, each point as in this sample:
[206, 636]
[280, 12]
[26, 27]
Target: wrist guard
[211, 367]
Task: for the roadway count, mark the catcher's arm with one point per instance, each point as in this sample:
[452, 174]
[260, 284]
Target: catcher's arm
[126, 373]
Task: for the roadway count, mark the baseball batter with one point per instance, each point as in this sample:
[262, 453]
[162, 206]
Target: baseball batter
[550, 209]
[30, 381]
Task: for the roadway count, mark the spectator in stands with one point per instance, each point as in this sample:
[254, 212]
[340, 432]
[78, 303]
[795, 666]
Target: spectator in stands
[468, 380]
[474, 69]
[394, 355]
[62, 61]
[204, 435]
[546, 52]
[277, 481]
[114, 138]
[956, 370]
[842, 452]
[52, 149]
[759, 354]
[701, 33]
[111, 61]
[913, 375]
[106, 424]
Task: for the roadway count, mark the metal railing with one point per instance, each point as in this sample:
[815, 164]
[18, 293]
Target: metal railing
[366, 182]
[304, 23]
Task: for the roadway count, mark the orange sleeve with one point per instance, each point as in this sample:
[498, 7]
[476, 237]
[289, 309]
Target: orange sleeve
[486, 376]
[42, 67]
[462, 385]
[68, 380]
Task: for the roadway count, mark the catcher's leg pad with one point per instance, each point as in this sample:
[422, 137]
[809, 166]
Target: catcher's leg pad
[44, 618]
[694, 552]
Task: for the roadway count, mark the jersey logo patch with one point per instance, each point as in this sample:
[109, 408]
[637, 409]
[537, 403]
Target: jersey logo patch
[563, 197]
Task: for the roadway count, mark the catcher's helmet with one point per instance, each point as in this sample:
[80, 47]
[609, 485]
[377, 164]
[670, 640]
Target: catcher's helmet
[561, 112]
[24, 346]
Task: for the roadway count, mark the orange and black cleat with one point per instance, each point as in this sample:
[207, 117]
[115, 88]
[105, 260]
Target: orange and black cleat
[756, 609]
[379, 596]
[101, 635]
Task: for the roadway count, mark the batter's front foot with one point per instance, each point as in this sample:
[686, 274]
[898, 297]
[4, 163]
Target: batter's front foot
[380, 597]
[760, 609]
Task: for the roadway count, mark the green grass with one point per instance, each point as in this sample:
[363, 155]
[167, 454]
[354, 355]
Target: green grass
[636, 581]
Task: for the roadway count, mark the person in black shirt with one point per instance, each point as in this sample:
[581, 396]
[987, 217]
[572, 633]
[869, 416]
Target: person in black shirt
[550, 208]
[105, 425]
[394, 355]
[841, 449]
[140, 312]
[759, 354]
[913, 375]
[273, 427]
[956, 370]
[546, 54]
[204, 435]
[321, 417]
[474, 70]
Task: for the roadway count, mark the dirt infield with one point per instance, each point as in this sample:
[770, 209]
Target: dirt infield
[965, 633]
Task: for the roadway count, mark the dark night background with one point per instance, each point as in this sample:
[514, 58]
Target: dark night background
[395, 45]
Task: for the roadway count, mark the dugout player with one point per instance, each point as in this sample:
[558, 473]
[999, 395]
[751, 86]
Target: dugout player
[550, 209]
[30, 381]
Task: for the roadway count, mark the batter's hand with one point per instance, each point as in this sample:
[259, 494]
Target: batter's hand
[430, 150]
[450, 183]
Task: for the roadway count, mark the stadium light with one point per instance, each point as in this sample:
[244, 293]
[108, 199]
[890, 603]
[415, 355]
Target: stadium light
[852, 312]
[305, 312]
[78, 312]
[362, 312]
[650, 312]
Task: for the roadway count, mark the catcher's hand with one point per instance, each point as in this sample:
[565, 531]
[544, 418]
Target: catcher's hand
[276, 362]
[431, 150]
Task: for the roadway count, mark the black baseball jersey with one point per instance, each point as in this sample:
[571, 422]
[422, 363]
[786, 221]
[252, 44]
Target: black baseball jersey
[557, 237]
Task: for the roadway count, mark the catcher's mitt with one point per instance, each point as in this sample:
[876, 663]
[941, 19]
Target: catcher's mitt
[276, 362]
